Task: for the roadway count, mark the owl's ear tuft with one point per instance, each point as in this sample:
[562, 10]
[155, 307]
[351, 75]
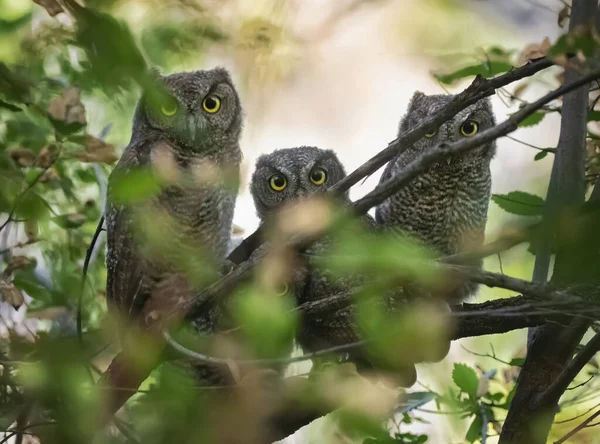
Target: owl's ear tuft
[416, 100]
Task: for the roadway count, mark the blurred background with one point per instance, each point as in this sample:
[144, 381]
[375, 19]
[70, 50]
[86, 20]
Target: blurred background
[337, 74]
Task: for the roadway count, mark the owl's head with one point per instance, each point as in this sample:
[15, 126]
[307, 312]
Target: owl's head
[466, 123]
[288, 174]
[197, 110]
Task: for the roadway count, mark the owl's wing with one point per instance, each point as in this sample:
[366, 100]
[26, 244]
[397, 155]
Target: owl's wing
[127, 284]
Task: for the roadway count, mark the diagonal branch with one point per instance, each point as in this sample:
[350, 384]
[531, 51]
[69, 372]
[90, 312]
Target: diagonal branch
[196, 305]
[479, 89]
[572, 370]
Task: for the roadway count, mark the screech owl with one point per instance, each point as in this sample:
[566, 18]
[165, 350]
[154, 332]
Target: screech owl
[189, 137]
[292, 173]
[285, 176]
[446, 207]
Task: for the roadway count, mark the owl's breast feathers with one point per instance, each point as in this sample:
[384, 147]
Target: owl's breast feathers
[445, 208]
[189, 218]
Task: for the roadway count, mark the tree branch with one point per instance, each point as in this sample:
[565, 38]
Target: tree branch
[551, 347]
[195, 306]
[479, 89]
[571, 371]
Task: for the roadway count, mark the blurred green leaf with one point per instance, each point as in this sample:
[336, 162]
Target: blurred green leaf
[68, 221]
[572, 43]
[32, 206]
[171, 39]
[466, 379]
[517, 362]
[485, 69]
[14, 87]
[521, 203]
[533, 119]
[593, 116]
[134, 186]
[269, 321]
[540, 155]
[474, 432]
[114, 58]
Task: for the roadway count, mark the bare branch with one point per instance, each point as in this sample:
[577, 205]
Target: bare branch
[578, 428]
[428, 158]
[479, 89]
[572, 370]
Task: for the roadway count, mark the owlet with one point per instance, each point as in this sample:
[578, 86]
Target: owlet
[185, 144]
[445, 207]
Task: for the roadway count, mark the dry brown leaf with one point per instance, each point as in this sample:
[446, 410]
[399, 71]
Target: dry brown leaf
[563, 15]
[23, 157]
[52, 6]
[31, 231]
[68, 107]
[483, 386]
[534, 51]
[519, 90]
[47, 155]
[50, 175]
[16, 263]
[163, 161]
[11, 294]
[237, 230]
[97, 150]
[592, 146]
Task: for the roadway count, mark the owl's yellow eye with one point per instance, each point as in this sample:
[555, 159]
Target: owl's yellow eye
[277, 182]
[431, 133]
[211, 103]
[318, 176]
[169, 108]
[469, 128]
[282, 290]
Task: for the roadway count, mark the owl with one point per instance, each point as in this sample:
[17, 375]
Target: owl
[283, 177]
[446, 207]
[292, 173]
[187, 140]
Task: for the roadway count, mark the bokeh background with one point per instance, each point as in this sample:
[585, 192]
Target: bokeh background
[337, 74]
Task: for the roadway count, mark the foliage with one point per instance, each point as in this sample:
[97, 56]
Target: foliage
[67, 96]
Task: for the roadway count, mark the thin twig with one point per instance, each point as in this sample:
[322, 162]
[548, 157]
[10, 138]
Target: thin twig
[29, 186]
[578, 428]
[479, 89]
[572, 370]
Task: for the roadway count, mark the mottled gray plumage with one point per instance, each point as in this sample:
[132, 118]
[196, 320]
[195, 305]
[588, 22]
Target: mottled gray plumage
[295, 166]
[197, 129]
[446, 207]
[337, 326]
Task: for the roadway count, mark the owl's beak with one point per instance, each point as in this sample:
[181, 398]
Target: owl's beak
[196, 126]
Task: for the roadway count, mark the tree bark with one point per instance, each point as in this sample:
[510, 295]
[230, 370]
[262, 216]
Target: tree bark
[551, 346]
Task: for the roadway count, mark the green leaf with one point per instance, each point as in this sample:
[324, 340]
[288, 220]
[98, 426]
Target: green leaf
[572, 43]
[474, 432]
[68, 221]
[32, 206]
[466, 379]
[486, 69]
[519, 202]
[533, 119]
[114, 58]
[517, 362]
[593, 116]
[134, 186]
[540, 155]
[415, 400]
[9, 106]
